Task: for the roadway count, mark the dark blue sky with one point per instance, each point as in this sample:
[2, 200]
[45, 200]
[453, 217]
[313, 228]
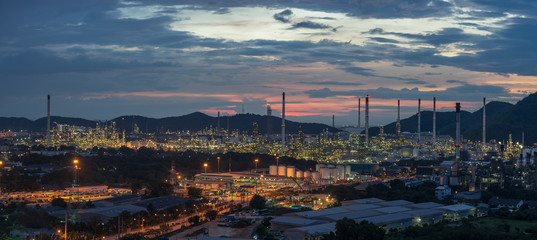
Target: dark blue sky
[102, 59]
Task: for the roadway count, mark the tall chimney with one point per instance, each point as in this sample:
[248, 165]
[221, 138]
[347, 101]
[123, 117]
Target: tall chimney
[398, 123]
[218, 126]
[434, 121]
[359, 119]
[457, 131]
[367, 120]
[419, 121]
[48, 121]
[283, 124]
[522, 139]
[269, 120]
[484, 122]
[333, 126]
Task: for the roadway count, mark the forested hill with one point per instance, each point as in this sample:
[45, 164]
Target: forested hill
[502, 119]
[190, 122]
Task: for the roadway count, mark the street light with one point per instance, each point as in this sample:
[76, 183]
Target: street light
[1, 166]
[218, 158]
[76, 177]
[256, 160]
[205, 165]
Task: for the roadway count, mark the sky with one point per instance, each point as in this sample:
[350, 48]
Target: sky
[103, 59]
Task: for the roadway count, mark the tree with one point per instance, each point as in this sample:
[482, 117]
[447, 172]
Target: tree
[348, 229]
[194, 220]
[136, 186]
[211, 214]
[160, 189]
[59, 202]
[257, 202]
[194, 192]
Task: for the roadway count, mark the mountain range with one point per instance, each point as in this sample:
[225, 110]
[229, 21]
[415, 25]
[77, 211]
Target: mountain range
[502, 119]
[191, 122]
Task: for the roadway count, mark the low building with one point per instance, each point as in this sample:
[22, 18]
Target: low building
[283, 223]
[457, 212]
[510, 203]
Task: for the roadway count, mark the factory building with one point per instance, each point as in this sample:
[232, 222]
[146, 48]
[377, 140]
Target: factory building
[387, 214]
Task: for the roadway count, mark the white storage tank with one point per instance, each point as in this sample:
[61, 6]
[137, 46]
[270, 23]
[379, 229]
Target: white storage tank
[291, 171]
[316, 176]
[299, 174]
[273, 170]
[282, 170]
[319, 166]
[340, 171]
[326, 173]
[348, 170]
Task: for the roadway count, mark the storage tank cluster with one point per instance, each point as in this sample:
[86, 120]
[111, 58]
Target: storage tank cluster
[334, 172]
[292, 171]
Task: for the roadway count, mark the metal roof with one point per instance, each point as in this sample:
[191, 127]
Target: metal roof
[295, 221]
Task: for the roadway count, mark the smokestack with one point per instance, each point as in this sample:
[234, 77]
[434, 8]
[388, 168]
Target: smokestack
[434, 121]
[484, 121]
[359, 119]
[218, 126]
[333, 126]
[419, 121]
[243, 108]
[522, 139]
[457, 131]
[269, 120]
[367, 120]
[283, 124]
[48, 121]
[398, 124]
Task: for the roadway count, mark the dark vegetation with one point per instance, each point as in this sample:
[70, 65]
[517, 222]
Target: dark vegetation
[144, 167]
[395, 191]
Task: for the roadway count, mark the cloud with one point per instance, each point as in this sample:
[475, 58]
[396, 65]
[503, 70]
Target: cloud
[333, 83]
[466, 92]
[284, 16]
[432, 73]
[310, 25]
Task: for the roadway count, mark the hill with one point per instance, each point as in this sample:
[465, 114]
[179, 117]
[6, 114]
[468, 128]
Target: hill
[190, 122]
[502, 119]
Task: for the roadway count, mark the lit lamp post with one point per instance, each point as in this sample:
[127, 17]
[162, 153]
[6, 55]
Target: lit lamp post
[2, 168]
[205, 165]
[218, 158]
[76, 176]
[257, 160]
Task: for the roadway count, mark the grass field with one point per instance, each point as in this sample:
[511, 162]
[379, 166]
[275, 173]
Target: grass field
[498, 223]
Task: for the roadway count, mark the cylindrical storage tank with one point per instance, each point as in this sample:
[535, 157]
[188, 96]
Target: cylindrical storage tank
[340, 171]
[325, 173]
[307, 174]
[282, 170]
[291, 171]
[334, 173]
[348, 170]
[299, 174]
[316, 176]
[273, 170]
[318, 167]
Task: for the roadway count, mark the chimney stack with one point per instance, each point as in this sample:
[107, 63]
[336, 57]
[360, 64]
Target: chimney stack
[218, 125]
[269, 120]
[434, 121]
[48, 121]
[398, 123]
[457, 131]
[283, 124]
[359, 119]
[484, 121]
[367, 120]
[419, 121]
